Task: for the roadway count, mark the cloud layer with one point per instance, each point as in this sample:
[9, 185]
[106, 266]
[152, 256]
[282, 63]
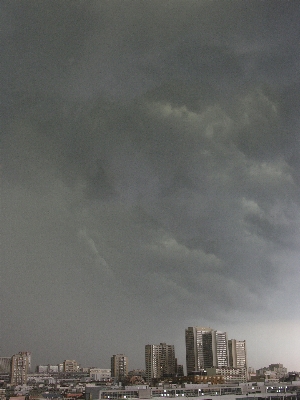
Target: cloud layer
[150, 175]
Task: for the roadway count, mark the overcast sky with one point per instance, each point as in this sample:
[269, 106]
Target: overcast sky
[150, 177]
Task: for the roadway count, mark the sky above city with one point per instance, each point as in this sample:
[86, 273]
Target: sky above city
[149, 177]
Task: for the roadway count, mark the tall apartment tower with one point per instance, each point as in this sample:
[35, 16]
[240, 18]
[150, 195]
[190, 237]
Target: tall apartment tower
[200, 346]
[119, 366]
[159, 360]
[237, 353]
[19, 368]
[222, 349]
[29, 360]
[205, 348]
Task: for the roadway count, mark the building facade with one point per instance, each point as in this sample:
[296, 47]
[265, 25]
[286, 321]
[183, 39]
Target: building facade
[238, 357]
[160, 361]
[5, 365]
[237, 353]
[204, 347]
[229, 374]
[222, 349]
[19, 368]
[119, 366]
[100, 374]
[70, 366]
[240, 391]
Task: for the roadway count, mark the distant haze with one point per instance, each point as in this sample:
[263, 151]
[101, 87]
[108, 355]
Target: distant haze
[149, 177]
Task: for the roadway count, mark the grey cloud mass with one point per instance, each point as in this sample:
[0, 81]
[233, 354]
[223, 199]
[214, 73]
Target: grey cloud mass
[149, 177]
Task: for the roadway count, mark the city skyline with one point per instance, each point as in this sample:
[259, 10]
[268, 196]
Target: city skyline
[149, 177]
[205, 348]
[160, 363]
[181, 355]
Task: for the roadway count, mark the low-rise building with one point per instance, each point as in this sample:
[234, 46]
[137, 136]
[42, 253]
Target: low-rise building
[100, 374]
[70, 366]
[230, 374]
[243, 391]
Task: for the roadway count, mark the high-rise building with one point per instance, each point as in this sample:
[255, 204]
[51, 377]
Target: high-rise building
[201, 349]
[119, 366]
[5, 365]
[222, 349]
[19, 368]
[159, 360]
[191, 350]
[205, 348]
[241, 354]
[167, 359]
[238, 356]
[152, 362]
[237, 353]
[28, 354]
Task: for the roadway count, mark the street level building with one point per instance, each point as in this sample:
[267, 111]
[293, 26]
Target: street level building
[241, 391]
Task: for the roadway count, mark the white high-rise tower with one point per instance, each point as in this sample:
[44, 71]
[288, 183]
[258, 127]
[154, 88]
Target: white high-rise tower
[222, 349]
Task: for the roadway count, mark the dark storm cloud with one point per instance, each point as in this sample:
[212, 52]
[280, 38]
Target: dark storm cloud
[149, 167]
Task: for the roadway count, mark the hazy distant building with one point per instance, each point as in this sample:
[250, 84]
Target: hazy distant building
[42, 369]
[5, 368]
[159, 361]
[47, 369]
[19, 368]
[279, 370]
[100, 374]
[119, 366]
[5, 365]
[70, 366]
[179, 370]
[273, 371]
[53, 369]
[28, 354]
[137, 372]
